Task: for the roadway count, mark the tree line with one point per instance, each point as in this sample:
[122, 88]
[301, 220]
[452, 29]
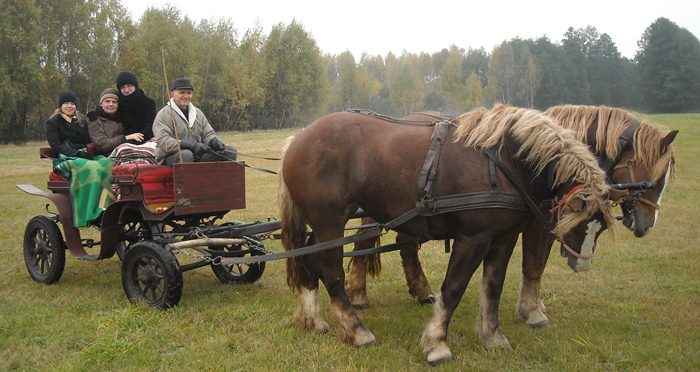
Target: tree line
[250, 80]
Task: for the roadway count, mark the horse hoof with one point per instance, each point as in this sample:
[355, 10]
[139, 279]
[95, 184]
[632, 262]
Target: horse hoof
[363, 338]
[537, 325]
[535, 319]
[321, 326]
[439, 355]
[497, 343]
[427, 301]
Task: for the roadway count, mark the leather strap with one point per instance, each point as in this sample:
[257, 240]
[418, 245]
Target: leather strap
[491, 153]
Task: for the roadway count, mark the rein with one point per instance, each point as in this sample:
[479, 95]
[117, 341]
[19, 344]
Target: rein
[566, 198]
[573, 252]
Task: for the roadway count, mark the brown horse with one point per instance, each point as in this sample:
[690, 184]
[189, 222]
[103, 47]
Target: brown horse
[628, 155]
[344, 161]
[644, 154]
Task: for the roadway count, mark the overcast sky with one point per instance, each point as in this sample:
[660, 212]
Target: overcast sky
[381, 26]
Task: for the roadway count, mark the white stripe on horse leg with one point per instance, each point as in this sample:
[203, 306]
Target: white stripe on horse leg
[308, 312]
[434, 339]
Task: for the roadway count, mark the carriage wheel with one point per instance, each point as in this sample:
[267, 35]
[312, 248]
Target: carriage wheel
[240, 273]
[44, 250]
[136, 229]
[151, 275]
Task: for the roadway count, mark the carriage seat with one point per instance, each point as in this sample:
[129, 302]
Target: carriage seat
[156, 181]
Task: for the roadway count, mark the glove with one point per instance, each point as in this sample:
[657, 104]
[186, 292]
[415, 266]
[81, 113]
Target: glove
[187, 143]
[199, 149]
[216, 144]
[85, 155]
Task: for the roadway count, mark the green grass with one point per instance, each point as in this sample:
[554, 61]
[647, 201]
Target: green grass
[637, 309]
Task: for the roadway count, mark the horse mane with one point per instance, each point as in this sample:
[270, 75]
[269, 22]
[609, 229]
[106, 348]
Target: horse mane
[541, 142]
[611, 122]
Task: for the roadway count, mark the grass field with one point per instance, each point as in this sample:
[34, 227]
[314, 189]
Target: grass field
[637, 309]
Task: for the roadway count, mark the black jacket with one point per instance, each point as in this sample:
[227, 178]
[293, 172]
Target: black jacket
[64, 137]
[137, 112]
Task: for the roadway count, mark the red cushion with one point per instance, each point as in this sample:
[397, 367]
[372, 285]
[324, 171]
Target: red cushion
[56, 177]
[156, 181]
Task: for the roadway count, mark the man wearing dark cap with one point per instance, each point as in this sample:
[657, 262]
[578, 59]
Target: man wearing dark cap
[183, 133]
[106, 130]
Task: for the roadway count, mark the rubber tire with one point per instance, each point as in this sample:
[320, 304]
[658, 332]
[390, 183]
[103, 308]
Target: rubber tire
[151, 275]
[240, 273]
[45, 258]
[124, 245]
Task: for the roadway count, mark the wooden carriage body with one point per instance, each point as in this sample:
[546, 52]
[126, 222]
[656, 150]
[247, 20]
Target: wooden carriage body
[158, 193]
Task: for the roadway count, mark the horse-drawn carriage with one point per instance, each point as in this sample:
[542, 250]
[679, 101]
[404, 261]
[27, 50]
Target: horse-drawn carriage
[160, 211]
[502, 172]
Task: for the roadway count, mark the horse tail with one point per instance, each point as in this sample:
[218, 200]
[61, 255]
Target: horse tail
[293, 226]
[373, 262]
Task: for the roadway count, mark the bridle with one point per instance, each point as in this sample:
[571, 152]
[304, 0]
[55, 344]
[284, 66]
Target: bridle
[557, 209]
[636, 189]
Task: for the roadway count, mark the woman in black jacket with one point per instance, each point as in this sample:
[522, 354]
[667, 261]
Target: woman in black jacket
[136, 109]
[66, 129]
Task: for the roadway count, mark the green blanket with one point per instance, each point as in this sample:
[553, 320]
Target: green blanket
[90, 187]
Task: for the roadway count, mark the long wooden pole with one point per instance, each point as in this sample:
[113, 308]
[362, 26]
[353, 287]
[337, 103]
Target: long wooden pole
[165, 83]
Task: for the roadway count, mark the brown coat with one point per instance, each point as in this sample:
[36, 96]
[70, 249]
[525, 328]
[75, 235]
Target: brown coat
[106, 134]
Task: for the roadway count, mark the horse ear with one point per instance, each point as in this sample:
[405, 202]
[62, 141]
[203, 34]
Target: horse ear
[576, 204]
[666, 141]
[617, 195]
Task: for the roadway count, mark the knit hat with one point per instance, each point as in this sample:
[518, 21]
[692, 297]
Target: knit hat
[126, 77]
[109, 93]
[66, 96]
[181, 83]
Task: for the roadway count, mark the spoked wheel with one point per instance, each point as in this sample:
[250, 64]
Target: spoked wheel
[240, 273]
[134, 230]
[44, 250]
[151, 275]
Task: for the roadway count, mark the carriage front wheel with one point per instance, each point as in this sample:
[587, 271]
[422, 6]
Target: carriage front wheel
[151, 275]
[44, 250]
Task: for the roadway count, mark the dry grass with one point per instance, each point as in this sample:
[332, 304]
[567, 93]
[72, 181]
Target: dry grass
[637, 309]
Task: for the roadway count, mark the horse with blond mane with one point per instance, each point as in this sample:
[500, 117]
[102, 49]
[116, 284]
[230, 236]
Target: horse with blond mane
[345, 161]
[630, 152]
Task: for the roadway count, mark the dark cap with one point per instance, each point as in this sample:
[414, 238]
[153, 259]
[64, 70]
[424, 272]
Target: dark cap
[181, 83]
[109, 93]
[66, 96]
[126, 77]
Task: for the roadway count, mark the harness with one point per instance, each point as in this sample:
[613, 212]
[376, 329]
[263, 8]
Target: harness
[427, 205]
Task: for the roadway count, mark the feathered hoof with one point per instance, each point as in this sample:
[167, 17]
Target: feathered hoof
[427, 300]
[497, 342]
[363, 337]
[439, 355]
[534, 319]
[538, 324]
[312, 324]
[358, 300]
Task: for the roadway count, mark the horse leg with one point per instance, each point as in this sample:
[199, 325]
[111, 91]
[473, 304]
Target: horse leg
[537, 243]
[418, 285]
[333, 277]
[308, 312]
[359, 267]
[466, 255]
[494, 273]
